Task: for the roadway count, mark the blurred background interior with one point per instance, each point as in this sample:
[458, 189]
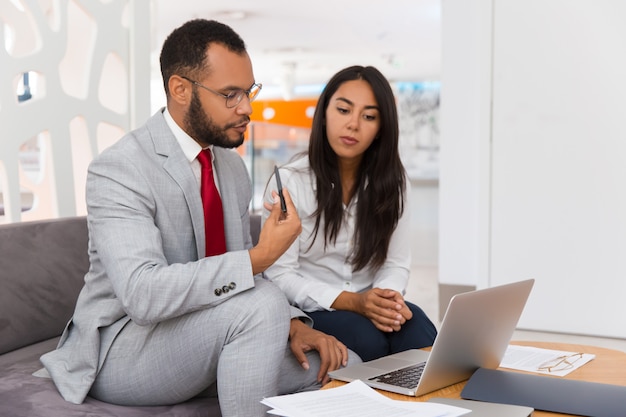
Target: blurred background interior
[467, 74]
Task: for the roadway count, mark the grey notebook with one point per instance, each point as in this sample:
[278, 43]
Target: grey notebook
[482, 409]
[547, 393]
[475, 333]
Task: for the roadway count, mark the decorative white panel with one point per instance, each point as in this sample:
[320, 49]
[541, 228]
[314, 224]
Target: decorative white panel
[69, 71]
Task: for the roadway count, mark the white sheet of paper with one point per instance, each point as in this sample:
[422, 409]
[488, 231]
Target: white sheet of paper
[528, 358]
[354, 399]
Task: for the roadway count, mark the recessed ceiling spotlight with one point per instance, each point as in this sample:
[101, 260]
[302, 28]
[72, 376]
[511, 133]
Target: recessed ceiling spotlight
[230, 15]
[287, 50]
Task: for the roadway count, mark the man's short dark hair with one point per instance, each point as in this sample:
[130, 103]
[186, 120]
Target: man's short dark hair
[184, 50]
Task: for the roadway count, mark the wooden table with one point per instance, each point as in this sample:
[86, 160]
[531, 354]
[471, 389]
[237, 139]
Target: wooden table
[608, 367]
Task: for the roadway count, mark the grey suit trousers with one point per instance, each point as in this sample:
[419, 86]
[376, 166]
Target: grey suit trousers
[241, 344]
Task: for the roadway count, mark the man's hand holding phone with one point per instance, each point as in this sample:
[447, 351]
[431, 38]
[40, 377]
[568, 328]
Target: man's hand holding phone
[279, 185]
[279, 231]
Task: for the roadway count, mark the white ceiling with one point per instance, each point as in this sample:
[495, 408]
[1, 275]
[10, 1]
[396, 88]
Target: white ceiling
[295, 43]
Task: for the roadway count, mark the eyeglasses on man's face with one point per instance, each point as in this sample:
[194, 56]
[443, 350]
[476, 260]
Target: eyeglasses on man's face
[234, 97]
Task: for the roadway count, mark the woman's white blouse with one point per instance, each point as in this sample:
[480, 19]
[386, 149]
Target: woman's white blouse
[312, 278]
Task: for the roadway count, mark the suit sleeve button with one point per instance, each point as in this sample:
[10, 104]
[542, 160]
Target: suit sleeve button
[225, 289]
[232, 285]
[218, 291]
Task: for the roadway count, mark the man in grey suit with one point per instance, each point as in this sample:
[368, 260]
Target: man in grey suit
[157, 322]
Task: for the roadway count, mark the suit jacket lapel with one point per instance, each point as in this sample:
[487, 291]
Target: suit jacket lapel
[176, 164]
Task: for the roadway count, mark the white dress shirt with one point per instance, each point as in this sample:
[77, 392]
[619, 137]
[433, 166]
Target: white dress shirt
[313, 278]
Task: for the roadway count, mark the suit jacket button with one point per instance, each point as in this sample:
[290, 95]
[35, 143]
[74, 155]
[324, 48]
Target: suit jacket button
[232, 285]
[225, 289]
[218, 291]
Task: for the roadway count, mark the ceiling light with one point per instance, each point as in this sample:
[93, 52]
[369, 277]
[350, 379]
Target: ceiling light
[230, 15]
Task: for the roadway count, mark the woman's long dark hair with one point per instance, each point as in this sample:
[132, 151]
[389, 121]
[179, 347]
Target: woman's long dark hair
[380, 183]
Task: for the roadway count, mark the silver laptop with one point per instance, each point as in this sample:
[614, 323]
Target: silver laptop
[475, 332]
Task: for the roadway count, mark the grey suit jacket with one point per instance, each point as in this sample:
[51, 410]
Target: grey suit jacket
[146, 246]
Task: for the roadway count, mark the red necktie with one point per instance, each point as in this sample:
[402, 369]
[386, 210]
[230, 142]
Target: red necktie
[212, 203]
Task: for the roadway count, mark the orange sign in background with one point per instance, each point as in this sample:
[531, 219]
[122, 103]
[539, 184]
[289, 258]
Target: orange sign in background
[278, 120]
[296, 113]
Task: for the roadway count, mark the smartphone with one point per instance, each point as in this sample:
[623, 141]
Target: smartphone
[279, 184]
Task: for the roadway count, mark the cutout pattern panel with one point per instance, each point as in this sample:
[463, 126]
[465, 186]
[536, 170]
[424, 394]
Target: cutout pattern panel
[66, 86]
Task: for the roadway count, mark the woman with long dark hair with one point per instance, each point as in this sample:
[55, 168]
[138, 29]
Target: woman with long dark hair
[350, 266]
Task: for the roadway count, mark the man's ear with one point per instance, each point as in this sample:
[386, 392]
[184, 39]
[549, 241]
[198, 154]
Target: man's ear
[180, 90]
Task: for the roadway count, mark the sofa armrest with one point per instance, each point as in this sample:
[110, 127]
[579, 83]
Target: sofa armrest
[42, 268]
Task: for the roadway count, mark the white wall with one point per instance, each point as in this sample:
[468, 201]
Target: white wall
[465, 134]
[559, 161]
[551, 203]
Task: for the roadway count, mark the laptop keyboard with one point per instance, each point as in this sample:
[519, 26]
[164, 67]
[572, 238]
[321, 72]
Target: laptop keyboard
[406, 377]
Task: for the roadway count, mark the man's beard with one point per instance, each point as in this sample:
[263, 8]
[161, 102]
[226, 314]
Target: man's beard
[200, 127]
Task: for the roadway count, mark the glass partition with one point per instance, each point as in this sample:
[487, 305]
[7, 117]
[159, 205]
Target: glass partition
[270, 144]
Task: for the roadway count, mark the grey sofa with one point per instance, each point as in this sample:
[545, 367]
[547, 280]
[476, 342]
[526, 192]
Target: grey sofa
[42, 265]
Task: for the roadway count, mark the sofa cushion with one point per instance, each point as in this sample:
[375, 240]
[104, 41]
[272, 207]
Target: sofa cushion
[42, 270]
[25, 395]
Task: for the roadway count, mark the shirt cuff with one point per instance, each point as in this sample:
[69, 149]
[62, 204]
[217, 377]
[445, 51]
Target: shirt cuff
[327, 297]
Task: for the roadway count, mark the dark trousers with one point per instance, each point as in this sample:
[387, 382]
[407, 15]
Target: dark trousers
[360, 335]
